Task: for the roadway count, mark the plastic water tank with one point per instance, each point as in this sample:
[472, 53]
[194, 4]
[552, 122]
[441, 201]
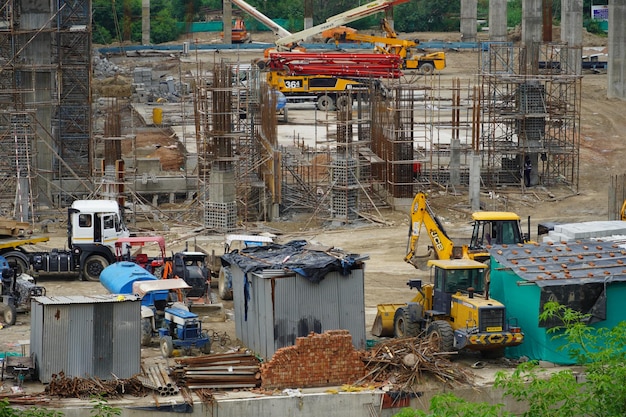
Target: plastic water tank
[118, 278]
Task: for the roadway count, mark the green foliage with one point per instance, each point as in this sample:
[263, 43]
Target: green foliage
[101, 408]
[7, 411]
[514, 13]
[448, 405]
[163, 28]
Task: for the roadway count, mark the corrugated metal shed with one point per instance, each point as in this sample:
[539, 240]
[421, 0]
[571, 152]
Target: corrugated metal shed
[586, 275]
[274, 306]
[82, 336]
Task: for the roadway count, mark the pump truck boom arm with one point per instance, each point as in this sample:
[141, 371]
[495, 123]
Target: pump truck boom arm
[277, 29]
[338, 20]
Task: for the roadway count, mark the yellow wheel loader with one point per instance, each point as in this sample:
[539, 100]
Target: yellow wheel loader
[456, 307]
[455, 311]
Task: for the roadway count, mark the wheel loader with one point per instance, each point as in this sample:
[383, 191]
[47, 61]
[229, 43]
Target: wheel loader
[457, 303]
[455, 311]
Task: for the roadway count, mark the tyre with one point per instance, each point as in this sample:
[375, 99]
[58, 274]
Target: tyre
[94, 265]
[427, 68]
[9, 314]
[325, 103]
[167, 346]
[206, 348]
[223, 288]
[344, 102]
[18, 262]
[146, 331]
[441, 335]
[402, 324]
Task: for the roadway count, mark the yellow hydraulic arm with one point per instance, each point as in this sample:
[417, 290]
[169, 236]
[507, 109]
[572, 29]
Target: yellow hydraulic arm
[423, 216]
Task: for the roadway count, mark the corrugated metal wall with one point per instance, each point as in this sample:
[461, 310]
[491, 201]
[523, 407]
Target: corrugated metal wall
[282, 307]
[86, 336]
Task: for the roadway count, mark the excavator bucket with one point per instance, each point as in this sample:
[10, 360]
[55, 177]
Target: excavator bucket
[421, 261]
[383, 323]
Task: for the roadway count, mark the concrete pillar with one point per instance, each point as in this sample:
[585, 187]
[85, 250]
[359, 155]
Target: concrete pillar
[308, 14]
[616, 87]
[497, 21]
[474, 182]
[532, 32]
[227, 21]
[389, 17]
[145, 22]
[572, 32]
[469, 24]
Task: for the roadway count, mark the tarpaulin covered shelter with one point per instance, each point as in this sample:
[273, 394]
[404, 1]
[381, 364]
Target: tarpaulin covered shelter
[281, 292]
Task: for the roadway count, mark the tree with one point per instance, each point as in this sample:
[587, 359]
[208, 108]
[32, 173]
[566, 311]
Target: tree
[600, 351]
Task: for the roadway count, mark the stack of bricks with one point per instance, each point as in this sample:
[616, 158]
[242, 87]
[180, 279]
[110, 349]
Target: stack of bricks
[315, 361]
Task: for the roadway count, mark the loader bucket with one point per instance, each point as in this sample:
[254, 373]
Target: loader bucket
[383, 323]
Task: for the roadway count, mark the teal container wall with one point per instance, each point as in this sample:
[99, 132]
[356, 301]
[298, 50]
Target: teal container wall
[251, 24]
[522, 303]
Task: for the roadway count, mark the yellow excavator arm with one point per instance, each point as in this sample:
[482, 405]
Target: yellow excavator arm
[422, 216]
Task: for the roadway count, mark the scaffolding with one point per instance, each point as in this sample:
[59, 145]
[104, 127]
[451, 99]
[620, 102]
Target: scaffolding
[530, 117]
[45, 111]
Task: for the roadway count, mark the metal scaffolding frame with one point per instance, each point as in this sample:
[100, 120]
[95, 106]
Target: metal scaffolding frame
[45, 102]
[530, 115]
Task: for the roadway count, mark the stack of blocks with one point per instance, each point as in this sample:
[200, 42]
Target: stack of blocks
[315, 361]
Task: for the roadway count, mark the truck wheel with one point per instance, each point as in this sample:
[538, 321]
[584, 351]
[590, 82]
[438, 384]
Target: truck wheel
[325, 103]
[402, 324]
[225, 291]
[427, 68]
[94, 265]
[9, 314]
[167, 346]
[441, 335]
[146, 332]
[17, 261]
[344, 102]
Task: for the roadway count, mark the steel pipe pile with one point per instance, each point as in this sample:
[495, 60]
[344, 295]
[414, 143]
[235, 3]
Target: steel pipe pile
[157, 378]
[220, 371]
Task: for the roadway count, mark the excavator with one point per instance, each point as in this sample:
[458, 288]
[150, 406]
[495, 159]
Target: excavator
[455, 310]
[426, 63]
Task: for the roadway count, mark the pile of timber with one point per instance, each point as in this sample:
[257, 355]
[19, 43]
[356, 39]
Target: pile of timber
[157, 378]
[405, 362]
[13, 228]
[219, 371]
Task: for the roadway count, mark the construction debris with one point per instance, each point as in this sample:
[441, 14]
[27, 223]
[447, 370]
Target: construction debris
[84, 388]
[403, 363]
[219, 371]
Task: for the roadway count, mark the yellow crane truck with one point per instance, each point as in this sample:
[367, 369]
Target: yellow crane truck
[456, 307]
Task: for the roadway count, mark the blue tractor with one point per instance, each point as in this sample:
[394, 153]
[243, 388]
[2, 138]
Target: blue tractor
[164, 312]
[16, 292]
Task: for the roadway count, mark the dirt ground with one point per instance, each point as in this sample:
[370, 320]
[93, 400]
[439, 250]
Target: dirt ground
[602, 151]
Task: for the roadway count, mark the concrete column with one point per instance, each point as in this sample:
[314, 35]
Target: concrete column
[145, 22]
[308, 14]
[617, 50]
[227, 21]
[572, 32]
[469, 24]
[532, 32]
[389, 17]
[497, 21]
[474, 182]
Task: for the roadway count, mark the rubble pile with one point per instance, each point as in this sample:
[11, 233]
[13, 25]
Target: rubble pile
[103, 68]
[403, 363]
